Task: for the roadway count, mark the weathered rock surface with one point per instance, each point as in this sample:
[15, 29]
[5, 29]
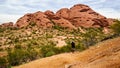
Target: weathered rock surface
[76, 16]
[8, 24]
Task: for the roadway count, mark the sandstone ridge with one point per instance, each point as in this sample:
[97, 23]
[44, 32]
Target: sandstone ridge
[76, 16]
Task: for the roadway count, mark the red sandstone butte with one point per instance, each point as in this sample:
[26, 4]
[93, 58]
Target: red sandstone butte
[76, 16]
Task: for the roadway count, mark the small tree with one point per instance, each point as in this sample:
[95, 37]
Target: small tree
[116, 27]
[3, 62]
[92, 36]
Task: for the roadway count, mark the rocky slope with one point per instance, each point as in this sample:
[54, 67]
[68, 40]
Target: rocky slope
[76, 16]
[104, 55]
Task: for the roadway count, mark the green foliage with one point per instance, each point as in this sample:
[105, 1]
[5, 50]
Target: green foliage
[79, 47]
[2, 29]
[116, 27]
[15, 57]
[3, 62]
[15, 40]
[49, 50]
[31, 43]
[18, 46]
[34, 32]
[32, 23]
[1, 49]
[65, 49]
[32, 54]
[20, 56]
[92, 36]
[49, 35]
[50, 53]
[14, 28]
[58, 27]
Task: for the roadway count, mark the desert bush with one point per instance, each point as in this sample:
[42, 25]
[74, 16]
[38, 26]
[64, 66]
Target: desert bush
[48, 50]
[15, 40]
[15, 28]
[3, 62]
[79, 47]
[65, 49]
[92, 36]
[33, 32]
[15, 56]
[19, 56]
[50, 53]
[18, 46]
[2, 29]
[32, 54]
[60, 28]
[32, 23]
[1, 49]
[116, 27]
[49, 35]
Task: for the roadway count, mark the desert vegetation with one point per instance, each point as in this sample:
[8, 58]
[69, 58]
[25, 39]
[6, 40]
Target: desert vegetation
[22, 45]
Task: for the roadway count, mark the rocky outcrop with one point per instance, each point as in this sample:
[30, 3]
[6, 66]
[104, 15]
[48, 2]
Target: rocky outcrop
[8, 24]
[38, 17]
[76, 16]
[64, 13]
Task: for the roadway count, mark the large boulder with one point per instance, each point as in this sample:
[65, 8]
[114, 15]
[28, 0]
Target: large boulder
[24, 21]
[64, 23]
[64, 13]
[38, 17]
[41, 20]
[83, 15]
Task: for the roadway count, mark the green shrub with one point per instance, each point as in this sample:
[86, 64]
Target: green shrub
[15, 40]
[32, 54]
[58, 27]
[32, 23]
[16, 56]
[2, 29]
[49, 50]
[92, 36]
[50, 53]
[116, 27]
[3, 62]
[65, 49]
[80, 47]
[1, 49]
[19, 56]
[49, 35]
[18, 46]
[33, 32]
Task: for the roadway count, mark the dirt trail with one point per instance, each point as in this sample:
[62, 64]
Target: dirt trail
[103, 55]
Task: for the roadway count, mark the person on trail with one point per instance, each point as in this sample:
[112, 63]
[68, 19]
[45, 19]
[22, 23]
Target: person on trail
[73, 46]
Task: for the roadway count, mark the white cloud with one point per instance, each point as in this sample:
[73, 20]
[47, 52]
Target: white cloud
[98, 2]
[9, 18]
[109, 12]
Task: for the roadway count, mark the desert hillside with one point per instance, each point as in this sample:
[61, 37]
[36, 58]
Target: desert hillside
[103, 55]
[39, 35]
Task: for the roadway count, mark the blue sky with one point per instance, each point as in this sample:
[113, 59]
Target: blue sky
[11, 10]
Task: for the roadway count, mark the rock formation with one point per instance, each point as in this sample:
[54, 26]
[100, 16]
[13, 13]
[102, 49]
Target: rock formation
[76, 16]
[8, 24]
